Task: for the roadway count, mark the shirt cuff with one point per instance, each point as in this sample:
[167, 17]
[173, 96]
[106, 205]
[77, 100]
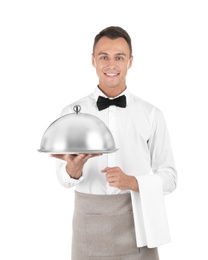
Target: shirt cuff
[64, 177]
[71, 180]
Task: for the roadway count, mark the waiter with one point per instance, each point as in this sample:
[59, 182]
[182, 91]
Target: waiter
[119, 210]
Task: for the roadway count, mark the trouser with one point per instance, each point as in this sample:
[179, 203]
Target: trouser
[103, 229]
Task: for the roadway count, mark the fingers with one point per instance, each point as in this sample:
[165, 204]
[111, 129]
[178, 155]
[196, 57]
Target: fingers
[111, 174]
[111, 169]
[117, 178]
[82, 157]
[64, 157]
[85, 157]
[58, 156]
[74, 157]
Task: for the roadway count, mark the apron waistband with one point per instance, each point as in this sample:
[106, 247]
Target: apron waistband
[102, 204]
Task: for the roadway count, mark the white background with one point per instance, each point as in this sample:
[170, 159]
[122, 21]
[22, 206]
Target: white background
[45, 64]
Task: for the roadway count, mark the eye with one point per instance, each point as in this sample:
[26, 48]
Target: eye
[119, 58]
[103, 57]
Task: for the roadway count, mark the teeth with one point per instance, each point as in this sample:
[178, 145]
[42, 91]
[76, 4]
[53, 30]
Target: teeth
[111, 75]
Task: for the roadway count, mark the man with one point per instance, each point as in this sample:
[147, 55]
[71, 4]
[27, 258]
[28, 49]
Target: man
[119, 211]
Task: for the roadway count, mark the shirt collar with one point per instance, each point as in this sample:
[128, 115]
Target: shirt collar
[97, 92]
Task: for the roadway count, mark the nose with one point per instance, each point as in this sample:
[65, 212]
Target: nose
[111, 64]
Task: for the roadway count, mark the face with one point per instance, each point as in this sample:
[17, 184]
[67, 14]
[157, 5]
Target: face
[112, 60]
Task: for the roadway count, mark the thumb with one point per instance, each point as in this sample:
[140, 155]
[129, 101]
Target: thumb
[105, 170]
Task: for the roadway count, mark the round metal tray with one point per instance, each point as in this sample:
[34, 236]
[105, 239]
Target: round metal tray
[79, 152]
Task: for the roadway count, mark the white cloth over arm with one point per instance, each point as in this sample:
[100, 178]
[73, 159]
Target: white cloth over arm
[149, 210]
[150, 216]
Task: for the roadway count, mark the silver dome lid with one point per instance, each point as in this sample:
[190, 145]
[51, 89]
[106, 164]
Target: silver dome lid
[77, 133]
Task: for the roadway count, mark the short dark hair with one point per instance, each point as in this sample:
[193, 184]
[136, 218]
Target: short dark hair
[113, 32]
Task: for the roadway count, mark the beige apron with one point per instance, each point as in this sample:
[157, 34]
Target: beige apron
[103, 228]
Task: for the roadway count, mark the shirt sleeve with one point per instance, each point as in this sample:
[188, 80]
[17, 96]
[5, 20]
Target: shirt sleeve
[162, 161]
[63, 177]
[151, 223]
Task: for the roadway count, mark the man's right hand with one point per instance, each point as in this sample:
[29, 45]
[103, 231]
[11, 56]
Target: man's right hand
[75, 163]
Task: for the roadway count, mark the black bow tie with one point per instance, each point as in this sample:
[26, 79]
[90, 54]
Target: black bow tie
[103, 102]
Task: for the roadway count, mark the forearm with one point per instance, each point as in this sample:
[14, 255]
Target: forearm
[73, 173]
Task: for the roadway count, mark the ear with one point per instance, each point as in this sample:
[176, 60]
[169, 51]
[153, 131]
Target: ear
[130, 62]
[93, 61]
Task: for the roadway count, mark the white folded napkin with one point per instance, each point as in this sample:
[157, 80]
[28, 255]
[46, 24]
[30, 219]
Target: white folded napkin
[149, 210]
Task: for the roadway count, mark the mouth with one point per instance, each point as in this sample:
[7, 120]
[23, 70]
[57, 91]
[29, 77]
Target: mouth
[111, 75]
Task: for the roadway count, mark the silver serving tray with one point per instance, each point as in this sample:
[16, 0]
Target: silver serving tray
[79, 152]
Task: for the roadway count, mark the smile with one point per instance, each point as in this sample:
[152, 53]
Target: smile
[111, 74]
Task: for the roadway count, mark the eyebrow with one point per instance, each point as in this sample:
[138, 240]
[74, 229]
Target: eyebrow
[105, 53]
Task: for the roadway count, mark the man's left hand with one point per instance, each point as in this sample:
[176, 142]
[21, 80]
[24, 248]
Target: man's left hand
[117, 178]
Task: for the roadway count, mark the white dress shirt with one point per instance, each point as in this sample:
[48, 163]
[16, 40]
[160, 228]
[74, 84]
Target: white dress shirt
[144, 151]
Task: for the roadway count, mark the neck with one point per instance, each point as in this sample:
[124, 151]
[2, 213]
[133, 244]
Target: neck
[112, 92]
